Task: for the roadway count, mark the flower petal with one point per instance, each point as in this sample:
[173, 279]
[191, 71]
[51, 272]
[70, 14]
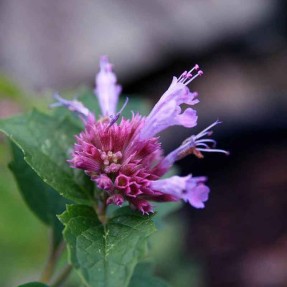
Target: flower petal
[198, 196]
[106, 88]
[187, 188]
[74, 106]
[167, 112]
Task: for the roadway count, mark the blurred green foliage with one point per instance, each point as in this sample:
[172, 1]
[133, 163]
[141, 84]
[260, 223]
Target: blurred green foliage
[21, 234]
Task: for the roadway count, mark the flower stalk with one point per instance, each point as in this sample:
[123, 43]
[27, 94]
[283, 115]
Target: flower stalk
[53, 258]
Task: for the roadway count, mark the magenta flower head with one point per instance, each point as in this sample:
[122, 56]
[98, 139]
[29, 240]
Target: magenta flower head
[124, 156]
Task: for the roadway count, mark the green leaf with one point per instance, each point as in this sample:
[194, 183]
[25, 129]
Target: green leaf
[34, 284]
[106, 255]
[42, 199]
[46, 143]
[143, 277]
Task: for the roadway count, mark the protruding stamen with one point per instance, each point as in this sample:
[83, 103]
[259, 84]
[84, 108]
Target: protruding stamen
[201, 145]
[207, 141]
[214, 150]
[196, 67]
[199, 73]
[194, 145]
[124, 105]
[116, 117]
[188, 77]
[207, 131]
[182, 76]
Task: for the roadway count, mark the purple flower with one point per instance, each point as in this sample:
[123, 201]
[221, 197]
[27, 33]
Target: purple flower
[106, 89]
[167, 112]
[125, 158]
[74, 106]
[193, 145]
[192, 190]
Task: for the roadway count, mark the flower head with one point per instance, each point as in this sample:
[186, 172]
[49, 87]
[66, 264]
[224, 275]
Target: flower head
[125, 158]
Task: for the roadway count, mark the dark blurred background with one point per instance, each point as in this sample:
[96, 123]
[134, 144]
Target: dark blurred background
[240, 238]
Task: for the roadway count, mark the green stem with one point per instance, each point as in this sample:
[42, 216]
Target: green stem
[62, 276]
[54, 255]
[100, 208]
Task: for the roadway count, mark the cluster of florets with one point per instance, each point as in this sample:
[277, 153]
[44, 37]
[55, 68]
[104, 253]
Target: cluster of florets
[125, 159]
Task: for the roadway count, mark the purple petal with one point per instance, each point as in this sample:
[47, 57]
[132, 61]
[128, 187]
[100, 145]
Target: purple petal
[192, 190]
[106, 88]
[74, 106]
[167, 112]
[198, 196]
